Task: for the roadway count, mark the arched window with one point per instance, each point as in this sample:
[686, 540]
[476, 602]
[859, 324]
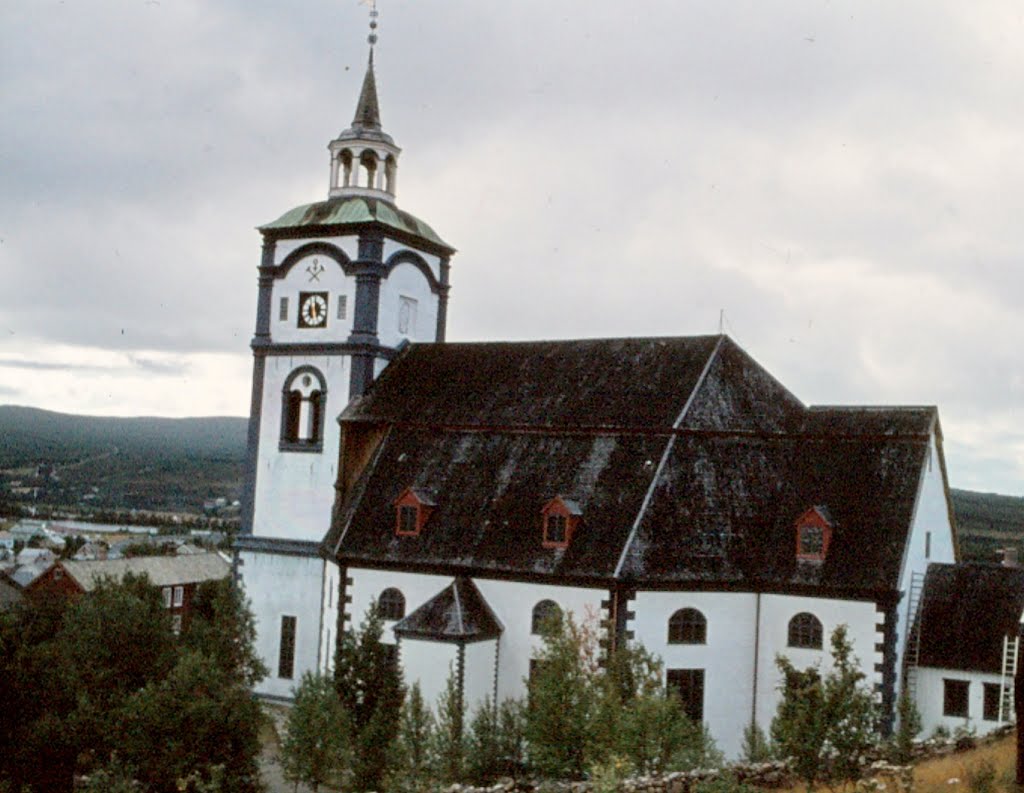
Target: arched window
[302, 411]
[687, 626]
[391, 604]
[805, 631]
[545, 613]
[368, 160]
[346, 165]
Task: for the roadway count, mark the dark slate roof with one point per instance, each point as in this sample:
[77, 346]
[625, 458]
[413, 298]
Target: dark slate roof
[458, 613]
[594, 383]
[967, 610]
[497, 430]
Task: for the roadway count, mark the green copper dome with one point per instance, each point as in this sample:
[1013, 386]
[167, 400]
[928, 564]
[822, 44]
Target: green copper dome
[346, 210]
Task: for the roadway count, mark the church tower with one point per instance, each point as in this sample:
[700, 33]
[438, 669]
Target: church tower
[343, 283]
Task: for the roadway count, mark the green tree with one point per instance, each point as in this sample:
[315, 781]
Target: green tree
[756, 746]
[198, 717]
[221, 625]
[825, 723]
[369, 682]
[414, 767]
[561, 700]
[449, 736]
[908, 725]
[318, 735]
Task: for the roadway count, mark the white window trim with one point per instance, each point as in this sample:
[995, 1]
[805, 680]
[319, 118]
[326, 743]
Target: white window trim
[179, 596]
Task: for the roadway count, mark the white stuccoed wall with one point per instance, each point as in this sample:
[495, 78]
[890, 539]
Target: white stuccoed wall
[930, 697]
[285, 585]
[432, 662]
[406, 280]
[931, 515]
[295, 490]
[480, 674]
[333, 281]
[329, 623]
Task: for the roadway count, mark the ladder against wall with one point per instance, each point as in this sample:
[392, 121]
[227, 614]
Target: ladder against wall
[912, 654]
[1011, 646]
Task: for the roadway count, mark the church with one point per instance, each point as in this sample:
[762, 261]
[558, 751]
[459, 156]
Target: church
[669, 489]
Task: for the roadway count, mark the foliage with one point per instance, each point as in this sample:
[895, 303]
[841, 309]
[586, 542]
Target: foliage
[606, 776]
[908, 725]
[77, 672]
[318, 741]
[369, 682]
[413, 766]
[72, 545]
[222, 625]
[114, 777]
[756, 746]
[723, 783]
[561, 700]
[197, 717]
[496, 743]
[981, 778]
[825, 723]
[449, 738]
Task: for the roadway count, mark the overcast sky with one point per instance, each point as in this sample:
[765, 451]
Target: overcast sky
[844, 179]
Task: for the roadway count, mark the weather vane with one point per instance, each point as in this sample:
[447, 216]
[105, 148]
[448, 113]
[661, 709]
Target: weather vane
[372, 5]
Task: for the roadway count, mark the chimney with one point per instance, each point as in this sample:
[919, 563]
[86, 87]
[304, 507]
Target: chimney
[1010, 558]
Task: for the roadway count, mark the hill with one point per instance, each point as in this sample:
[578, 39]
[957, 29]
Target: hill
[987, 522]
[120, 463]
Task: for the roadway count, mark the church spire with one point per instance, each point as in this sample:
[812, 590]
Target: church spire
[364, 158]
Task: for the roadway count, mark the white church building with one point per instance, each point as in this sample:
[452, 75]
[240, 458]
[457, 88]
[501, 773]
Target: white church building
[670, 488]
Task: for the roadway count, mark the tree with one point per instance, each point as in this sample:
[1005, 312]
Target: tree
[318, 740]
[908, 725]
[825, 723]
[198, 718]
[449, 738]
[561, 700]
[414, 767]
[221, 625]
[369, 682]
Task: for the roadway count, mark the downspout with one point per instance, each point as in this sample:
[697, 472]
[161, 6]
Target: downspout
[757, 652]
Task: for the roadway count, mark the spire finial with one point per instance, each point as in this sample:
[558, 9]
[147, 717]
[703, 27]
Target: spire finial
[372, 38]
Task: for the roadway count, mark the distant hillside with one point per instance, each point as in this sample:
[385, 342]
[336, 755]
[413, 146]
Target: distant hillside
[988, 522]
[133, 463]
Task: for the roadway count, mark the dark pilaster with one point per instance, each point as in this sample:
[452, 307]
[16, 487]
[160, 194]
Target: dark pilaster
[369, 270]
[442, 300]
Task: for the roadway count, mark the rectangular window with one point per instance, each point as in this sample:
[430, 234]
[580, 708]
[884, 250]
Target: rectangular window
[179, 596]
[556, 529]
[283, 311]
[406, 316]
[927, 545]
[176, 624]
[167, 597]
[812, 540]
[286, 656]
[993, 693]
[342, 306]
[954, 698]
[688, 685]
[407, 520]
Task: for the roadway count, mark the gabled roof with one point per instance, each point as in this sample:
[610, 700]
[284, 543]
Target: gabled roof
[967, 609]
[162, 570]
[689, 464]
[458, 613]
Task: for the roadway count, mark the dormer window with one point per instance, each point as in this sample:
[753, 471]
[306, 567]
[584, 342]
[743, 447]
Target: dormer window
[813, 534]
[561, 517]
[412, 509]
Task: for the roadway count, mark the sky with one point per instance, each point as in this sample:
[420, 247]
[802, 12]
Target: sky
[835, 183]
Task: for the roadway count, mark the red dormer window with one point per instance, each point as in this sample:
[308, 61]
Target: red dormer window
[813, 534]
[561, 517]
[412, 509]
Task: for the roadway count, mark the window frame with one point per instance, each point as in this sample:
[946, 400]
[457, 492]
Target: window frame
[953, 691]
[391, 604]
[689, 685]
[805, 632]
[988, 714]
[292, 400]
[286, 647]
[179, 596]
[688, 626]
[543, 611]
[166, 592]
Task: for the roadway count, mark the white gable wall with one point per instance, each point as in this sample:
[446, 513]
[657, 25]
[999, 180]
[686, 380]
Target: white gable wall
[406, 281]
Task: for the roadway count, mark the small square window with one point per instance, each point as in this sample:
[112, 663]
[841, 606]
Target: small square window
[990, 709]
[954, 698]
[283, 311]
[342, 306]
[179, 595]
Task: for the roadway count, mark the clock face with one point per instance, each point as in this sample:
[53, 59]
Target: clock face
[312, 309]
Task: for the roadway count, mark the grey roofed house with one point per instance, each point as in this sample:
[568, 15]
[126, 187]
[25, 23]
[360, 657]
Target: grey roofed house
[688, 462]
[967, 609]
[162, 570]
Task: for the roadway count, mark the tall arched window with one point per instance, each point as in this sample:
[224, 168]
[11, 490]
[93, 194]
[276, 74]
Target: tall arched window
[544, 614]
[687, 626]
[805, 631]
[391, 604]
[302, 411]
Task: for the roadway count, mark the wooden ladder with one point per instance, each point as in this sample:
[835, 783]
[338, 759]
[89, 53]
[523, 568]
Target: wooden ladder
[1011, 644]
[912, 655]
